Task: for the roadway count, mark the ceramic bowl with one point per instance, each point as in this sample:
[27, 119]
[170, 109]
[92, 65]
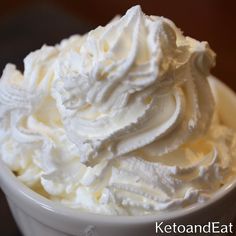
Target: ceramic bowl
[37, 216]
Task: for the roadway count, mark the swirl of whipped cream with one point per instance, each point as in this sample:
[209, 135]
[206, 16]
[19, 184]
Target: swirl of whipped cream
[119, 121]
[137, 81]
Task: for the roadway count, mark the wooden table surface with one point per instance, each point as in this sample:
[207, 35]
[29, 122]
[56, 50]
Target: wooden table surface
[25, 25]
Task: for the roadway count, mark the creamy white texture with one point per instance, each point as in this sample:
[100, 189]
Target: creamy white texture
[118, 121]
[135, 82]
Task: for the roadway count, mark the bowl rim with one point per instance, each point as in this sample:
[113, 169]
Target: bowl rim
[10, 181]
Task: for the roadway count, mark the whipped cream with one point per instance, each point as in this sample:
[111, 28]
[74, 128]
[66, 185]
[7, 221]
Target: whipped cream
[119, 121]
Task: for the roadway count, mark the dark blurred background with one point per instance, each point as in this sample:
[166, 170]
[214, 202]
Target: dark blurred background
[25, 25]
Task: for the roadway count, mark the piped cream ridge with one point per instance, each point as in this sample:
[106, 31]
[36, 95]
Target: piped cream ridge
[120, 121]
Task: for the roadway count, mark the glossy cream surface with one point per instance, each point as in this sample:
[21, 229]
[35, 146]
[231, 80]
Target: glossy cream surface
[119, 121]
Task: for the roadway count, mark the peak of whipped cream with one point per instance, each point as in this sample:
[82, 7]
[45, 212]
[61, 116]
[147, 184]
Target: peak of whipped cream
[137, 81]
[121, 120]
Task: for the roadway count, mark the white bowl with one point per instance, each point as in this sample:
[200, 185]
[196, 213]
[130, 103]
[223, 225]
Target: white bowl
[38, 216]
